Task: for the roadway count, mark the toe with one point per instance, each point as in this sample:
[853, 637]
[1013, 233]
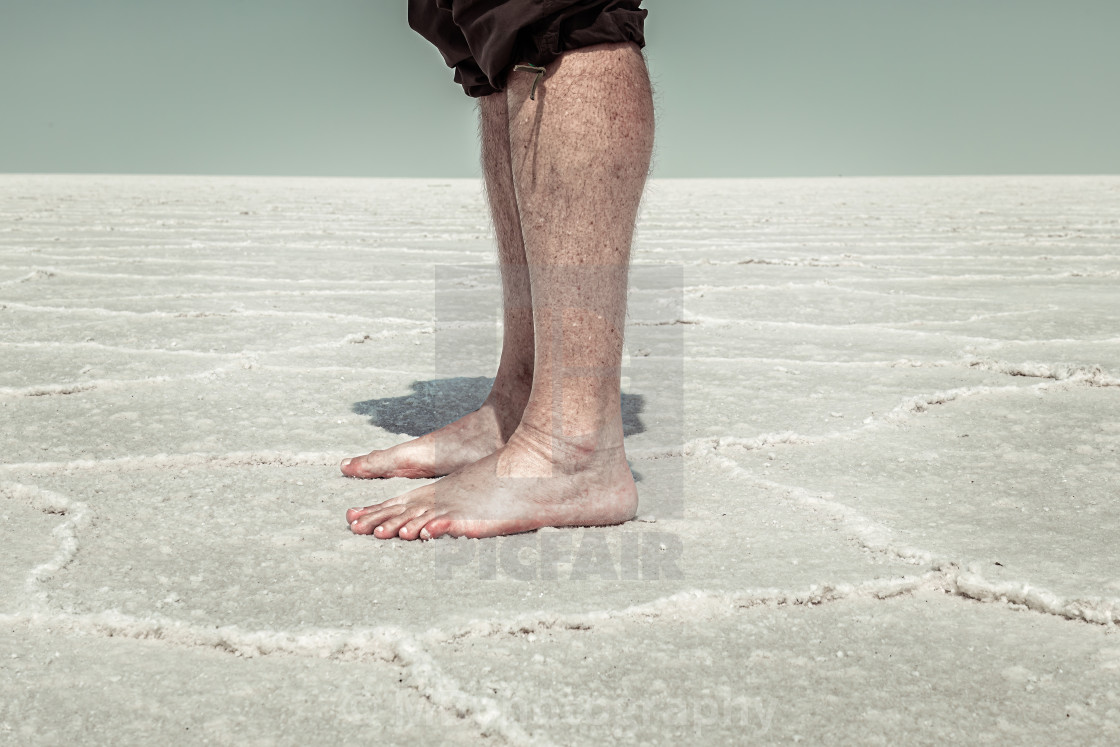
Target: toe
[391, 527]
[373, 518]
[353, 514]
[435, 526]
[414, 527]
[349, 467]
[361, 466]
[357, 527]
[429, 525]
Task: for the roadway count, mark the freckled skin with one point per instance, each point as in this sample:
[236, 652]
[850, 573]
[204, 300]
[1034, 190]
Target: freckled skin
[564, 176]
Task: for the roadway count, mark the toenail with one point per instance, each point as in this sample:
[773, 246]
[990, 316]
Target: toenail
[380, 529]
[424, 534]
[346, 462]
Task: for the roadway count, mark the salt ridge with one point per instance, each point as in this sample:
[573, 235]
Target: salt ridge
[801, 240]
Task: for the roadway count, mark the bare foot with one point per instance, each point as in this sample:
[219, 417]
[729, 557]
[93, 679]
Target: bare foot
[527, 484]
[441, 452]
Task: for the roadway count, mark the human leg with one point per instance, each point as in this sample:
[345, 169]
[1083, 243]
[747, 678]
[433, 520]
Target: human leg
[485, 430]
[580, 155]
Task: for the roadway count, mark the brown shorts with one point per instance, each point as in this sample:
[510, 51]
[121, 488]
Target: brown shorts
[483, 39]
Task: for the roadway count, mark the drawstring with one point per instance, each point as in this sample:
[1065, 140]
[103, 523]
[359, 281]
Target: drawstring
[526, 68]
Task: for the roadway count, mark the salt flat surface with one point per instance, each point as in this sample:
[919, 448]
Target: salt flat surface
[875, 425]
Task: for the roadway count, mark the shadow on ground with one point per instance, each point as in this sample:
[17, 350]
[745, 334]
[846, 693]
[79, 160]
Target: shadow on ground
[437, 402]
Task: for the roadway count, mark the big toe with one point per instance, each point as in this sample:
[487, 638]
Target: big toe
[357, 466]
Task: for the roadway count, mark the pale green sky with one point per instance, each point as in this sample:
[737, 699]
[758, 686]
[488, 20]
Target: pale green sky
[744, 88]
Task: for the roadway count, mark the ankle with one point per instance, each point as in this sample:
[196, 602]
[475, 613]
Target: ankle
[569, 444]
[508, 397]
[506, 411]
